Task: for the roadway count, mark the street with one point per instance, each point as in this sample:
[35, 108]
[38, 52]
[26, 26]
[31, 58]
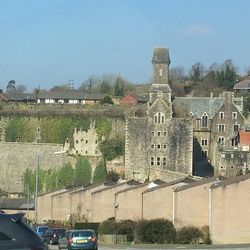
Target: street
[200, 247]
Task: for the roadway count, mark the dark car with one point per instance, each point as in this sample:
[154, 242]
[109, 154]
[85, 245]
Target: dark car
[52, 235]
[79, 240]
[41, 230]
[16, 234]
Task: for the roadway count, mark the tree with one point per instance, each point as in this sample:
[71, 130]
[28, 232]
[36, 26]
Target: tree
[119, 87]
[112, 148]
[105, 87]
[20, 88]
[197, 71]
[99, 173]
[177, 75]
[83, 172]
[106, 100]
[65, 175]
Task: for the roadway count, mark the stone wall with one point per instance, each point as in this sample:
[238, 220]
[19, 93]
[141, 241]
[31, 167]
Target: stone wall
[15, 158]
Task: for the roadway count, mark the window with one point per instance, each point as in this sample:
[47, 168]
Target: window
[96, 142]
[234, 115]
[204, 154]
[160, 72]
[86, 141]
[152, 133]
[165, 133]
[221, 140]
[152, 161]
[164, 146]
[76, 141]
[159, 146]
[164, 161]
[159, 133]
[204, 142]
[221, 127]
[204, 121]
[236, 127]
[152, 146]
[158, 161]
[221, 115]
[159, 118]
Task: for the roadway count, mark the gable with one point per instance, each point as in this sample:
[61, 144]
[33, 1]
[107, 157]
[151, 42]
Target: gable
[160, 106]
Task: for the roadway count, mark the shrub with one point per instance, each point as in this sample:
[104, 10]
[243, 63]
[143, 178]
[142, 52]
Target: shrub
[159, 231]
[206, 235]
[188, 235]
[126, 227]
[108, 226]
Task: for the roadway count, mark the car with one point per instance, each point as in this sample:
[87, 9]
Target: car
[15, 234]
[41, 230]
[79, 240]
[52, 235]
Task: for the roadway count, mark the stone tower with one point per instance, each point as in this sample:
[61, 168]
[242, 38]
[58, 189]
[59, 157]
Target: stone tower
[160, 86]
[158, 145]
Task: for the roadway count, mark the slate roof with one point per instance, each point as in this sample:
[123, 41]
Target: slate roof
[161, 55]
[200, 105]
[198, 183]
[245, 84]
[231, 181]
[20, 97]
[68, 94]
[16, 204]
[160, 87]
[167, 184]
[62, 94]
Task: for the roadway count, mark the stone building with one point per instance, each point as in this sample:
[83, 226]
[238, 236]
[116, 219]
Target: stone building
[162, 145]
[158, 145]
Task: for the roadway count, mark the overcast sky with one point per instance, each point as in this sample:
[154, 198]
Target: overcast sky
[49, 42]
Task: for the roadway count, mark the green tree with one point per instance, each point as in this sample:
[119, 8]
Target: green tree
[83, 172]
[65, 175]
[106, 100]
[119, 87]
[112, 148]
[99, 173]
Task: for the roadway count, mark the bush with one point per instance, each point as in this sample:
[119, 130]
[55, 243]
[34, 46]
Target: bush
[206, 235]
[108, 226]
[93, 226]
[126, 227]
[188, 235]
[159, 231]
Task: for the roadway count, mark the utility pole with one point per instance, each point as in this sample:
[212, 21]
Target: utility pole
[36, 194]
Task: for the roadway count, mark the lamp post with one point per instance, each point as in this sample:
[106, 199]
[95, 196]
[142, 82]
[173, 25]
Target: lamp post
[36, 192]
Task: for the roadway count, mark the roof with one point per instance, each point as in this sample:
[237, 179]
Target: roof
[160, 87]
[245, 84]
[133, 187]
[161, 55]
[61, 94]
[131, 182]
[17, 204]
[15, 96]
[171, 183]
[200, 105]
[231, 181]
[197, 183]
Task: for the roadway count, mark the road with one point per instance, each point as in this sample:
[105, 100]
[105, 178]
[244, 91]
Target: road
[200, 247]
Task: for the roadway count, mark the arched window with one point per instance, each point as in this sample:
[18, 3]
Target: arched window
[204, 120]
[159, 118]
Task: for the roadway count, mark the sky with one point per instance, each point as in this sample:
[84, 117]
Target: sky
[44, 43]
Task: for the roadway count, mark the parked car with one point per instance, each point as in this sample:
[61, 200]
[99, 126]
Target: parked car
[79, 239]
[52, 235]
[15, 234]
[41, 230]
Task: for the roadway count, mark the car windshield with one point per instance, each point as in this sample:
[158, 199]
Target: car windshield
[42, 229]
[82, 234]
